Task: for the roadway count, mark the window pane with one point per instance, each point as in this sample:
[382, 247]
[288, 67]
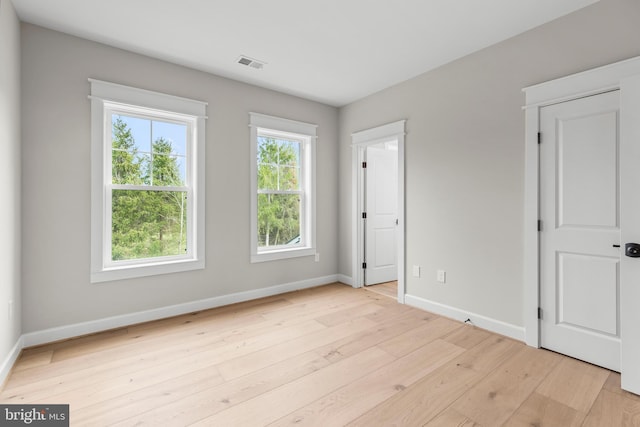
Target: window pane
[289, 177]
[147, 224]
[267, 150]
[126, 156]
[175, 133]
[139, 161]
[278, 164]
[131, 133]
[267, 177]
[167, 170]
[278, 219]
[127, 167]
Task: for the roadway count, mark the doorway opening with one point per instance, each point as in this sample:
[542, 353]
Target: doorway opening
[388, 289]
[378, 207]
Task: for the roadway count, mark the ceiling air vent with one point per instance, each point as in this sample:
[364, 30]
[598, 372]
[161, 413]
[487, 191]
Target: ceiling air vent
[250, 62]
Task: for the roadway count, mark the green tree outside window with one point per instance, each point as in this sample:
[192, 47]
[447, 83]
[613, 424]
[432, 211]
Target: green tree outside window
[278, 191]
[145, 223]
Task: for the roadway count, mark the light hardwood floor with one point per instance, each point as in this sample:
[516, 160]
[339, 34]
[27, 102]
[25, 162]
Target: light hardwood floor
[328, 356]
[389, 289]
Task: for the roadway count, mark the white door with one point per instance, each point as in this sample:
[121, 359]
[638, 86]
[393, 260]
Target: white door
[580, 213]
[629, 215]
[382, 212]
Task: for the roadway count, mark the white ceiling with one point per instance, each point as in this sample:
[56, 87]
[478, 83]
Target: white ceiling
[332, 51]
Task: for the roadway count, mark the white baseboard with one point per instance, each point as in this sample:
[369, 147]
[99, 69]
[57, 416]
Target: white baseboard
[345, 279]
[78, 329]
[493, 325]
[10, 360]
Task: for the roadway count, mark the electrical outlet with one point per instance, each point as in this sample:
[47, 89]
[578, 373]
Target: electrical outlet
[317, 257]
[441, 276]
[416, 271]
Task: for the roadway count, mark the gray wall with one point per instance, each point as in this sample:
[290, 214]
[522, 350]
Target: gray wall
[56, 198]
[464, 169]
[10, 329]
[465, 155]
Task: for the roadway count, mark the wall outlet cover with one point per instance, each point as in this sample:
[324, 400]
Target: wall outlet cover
[416, 271]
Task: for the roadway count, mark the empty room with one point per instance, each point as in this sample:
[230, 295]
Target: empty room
[363, 213]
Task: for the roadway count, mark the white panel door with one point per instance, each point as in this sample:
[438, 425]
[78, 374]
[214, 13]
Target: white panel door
[629, 218]
[382, 213]
[580, 213]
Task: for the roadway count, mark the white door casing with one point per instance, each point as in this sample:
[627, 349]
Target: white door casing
[625, 76]
[381, 201]
[580, 217]
[630, 218]
[360, 141]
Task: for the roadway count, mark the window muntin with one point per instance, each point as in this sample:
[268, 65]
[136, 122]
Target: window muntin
[280, 191]
[144, 236]
[283, 188]
[149, 190]
[147, 183]
[147, 140]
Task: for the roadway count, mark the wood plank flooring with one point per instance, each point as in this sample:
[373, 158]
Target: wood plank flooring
[327, 356]
[389, 289]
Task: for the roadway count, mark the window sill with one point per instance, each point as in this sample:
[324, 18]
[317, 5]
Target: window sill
[282, 254]
[135, 271]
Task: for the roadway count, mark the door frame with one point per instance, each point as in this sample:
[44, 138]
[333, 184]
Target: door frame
[592, 82]
[359, 143]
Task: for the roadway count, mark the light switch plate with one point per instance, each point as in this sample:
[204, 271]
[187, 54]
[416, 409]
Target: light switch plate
[416, 271]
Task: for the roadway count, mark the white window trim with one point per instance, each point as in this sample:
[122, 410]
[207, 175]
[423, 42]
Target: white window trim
[105, 95]
[295, 129]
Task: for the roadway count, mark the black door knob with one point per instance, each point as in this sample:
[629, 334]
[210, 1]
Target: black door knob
[632, 250]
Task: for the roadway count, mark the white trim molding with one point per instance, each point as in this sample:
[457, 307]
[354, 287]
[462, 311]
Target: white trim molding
[629, 209]
[360, 140]
[93, 326]
[591, 82]
[306, 135]
[623, 76]
[121, 94]
[579, 85]
[378, 133]
[343, 278]
[111, 98]
[10, 360]
[78, 329]
[493, 325]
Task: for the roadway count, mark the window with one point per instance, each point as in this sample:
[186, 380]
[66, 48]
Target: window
[283, 188]
[147, 183]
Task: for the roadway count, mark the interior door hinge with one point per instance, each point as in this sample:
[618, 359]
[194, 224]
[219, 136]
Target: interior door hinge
[539, 138]
[364, 215]
[364, 165]
[539, 313]
[539, 225]
[364, 265]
